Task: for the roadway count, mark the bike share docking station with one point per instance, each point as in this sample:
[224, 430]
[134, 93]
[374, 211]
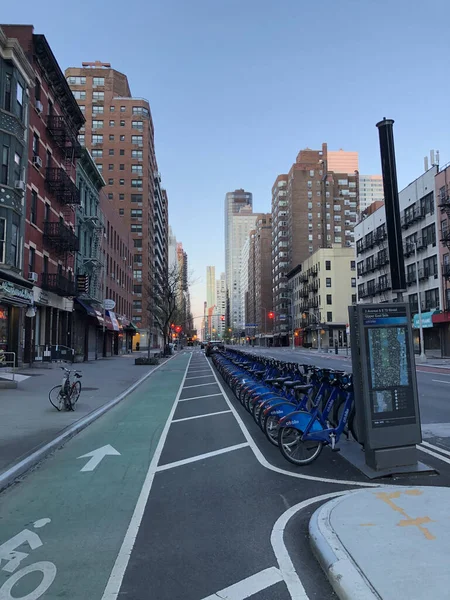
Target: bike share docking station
[384, 371]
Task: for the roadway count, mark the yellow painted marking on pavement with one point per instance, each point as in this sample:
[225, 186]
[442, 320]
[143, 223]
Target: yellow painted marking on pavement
[407, 521]
[367, 524]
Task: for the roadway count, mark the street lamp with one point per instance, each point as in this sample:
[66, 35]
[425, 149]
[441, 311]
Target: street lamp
[419, 307]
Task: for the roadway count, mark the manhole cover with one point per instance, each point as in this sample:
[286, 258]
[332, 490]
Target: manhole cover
[88, 389]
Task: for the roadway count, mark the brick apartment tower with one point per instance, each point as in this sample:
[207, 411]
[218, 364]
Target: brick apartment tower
[51, 196]
[313, 206]
[120, 136]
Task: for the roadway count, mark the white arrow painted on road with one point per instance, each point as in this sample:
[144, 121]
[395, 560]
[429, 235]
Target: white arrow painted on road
[97, 456]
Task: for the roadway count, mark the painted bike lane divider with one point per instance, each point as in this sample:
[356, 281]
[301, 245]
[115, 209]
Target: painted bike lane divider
[97, 456]
[87, 507]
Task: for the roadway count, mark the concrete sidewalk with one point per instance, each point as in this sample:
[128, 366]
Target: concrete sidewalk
[389, 543]
[28, 420]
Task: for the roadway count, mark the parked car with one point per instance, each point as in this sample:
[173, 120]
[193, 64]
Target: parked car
[213, 346]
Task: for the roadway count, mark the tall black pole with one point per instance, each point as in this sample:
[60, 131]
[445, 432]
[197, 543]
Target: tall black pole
[391, 202]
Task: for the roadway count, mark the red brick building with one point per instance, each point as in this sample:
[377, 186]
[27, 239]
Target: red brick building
[51, 195]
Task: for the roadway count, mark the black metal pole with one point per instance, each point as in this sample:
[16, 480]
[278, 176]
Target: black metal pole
[391, 202]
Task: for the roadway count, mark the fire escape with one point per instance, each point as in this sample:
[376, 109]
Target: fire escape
[91, 262]
[444, 205]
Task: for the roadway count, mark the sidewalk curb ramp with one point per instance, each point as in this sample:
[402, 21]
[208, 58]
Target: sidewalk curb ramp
[346, 578]
[9, 476]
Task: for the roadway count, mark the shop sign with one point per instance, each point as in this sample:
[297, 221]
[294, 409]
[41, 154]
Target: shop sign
[114, 321]
[10, 290]
[109, 304]
[43, 297]
[427, 320]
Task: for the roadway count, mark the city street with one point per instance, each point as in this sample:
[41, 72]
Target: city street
[177, 491]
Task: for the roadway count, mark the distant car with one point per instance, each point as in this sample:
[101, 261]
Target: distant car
[213, 346]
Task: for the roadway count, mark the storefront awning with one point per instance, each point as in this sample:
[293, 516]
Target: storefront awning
[91, 311]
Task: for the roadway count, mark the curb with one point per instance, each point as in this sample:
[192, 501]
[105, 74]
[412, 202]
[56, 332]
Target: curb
[347, 580]
[8, 477]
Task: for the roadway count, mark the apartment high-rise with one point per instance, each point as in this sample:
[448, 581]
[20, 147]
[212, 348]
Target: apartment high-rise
[120, 136]
[313, 206]
[211, 297]
[370, 190]
[263, 274]
[235, 202]
[221, 303]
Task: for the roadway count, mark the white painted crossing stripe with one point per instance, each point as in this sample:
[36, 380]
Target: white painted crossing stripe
[198, 397]
[435, 454]
[249, 586]
[186, 387]
[220, 412]
[199, 371]
[437, 448]
[186, 461]
[440, 381]
[199, 376]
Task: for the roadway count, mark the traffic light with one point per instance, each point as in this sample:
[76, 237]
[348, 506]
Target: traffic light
[222, 317]
[271, 315]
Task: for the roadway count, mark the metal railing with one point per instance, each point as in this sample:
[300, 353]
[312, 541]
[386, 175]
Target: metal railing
[8, 366]
[52, 353]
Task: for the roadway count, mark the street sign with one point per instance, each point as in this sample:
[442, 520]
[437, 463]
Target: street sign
[109, 304]
[250, 325]
[283, 317]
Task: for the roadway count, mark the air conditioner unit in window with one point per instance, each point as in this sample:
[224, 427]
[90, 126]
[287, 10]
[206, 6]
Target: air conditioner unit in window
[32, 277]
[38, 106]
[37, 161]
[20, 185]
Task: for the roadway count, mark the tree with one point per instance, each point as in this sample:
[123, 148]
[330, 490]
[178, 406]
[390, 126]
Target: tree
[165, 299]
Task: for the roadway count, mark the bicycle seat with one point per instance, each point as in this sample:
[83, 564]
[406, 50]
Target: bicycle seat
[302, 387]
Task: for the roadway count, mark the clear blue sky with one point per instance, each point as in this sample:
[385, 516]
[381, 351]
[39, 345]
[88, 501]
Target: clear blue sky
[237, 88]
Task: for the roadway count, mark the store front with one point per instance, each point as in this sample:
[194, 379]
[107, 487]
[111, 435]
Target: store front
[14, 301]
[431, 334]
[86, 322]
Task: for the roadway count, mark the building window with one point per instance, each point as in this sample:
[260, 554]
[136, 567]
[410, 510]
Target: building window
[97, 110]
[137, 139]
[137, 274]
[98, 96]
[97, 124]
[97, 138]
[110, 167]
[328, 265]
[137, 258]
[139, 110]
[137, 125]
[79, 95]
[33, 207]
[81, 140]
[110, 181]
[99, 167]
[31, 259]
[122, 123]
[136, 197]
[2, 240]
[353, 282]
[112, 123]
[122, 167]
[137, 243]
[76, 80]
[137, 289]
[19, 98]
[329, 299]
[329, 317]
[121, 211]
[352, 265]
[35, 144]
[328, 281]
[121, 196]
[137, 169]
[98, 81]
[137, 304]
[136, 227]
[136, 212]
[122, 108]
[112, 109]
[110, 196]
[121, 181]
[136, 183]
[111, 137]
[122, 152]
[5, 166]
[97, 153]
[122, 138]
[8, 81]
[46, 211]
[15, 257]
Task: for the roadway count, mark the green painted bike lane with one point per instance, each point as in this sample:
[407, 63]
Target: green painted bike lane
[61, 528]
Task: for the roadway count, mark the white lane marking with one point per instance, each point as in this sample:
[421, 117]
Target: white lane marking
[118, 571]
[198, 397]
[434, 447]
[186, 461]
[220, 412]
[198, 377]
[199, 371]
[187, 387]
[435, 454]
[249, 586]
[97, 456]
[440, 381]
[265, 463]
[294, 585]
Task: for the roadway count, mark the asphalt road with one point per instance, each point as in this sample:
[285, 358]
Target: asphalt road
[186, 500]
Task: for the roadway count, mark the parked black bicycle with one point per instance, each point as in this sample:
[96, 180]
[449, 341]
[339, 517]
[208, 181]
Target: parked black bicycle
[66, 395]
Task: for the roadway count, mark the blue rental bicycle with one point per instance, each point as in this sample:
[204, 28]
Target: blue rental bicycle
[302, 434]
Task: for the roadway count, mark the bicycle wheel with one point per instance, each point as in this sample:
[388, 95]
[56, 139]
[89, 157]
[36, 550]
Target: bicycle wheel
[336, 416]
[294, 449]
[75, 393]
[271, 428]
[56, 398]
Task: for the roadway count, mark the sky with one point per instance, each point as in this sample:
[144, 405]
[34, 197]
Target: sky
[238, 87]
